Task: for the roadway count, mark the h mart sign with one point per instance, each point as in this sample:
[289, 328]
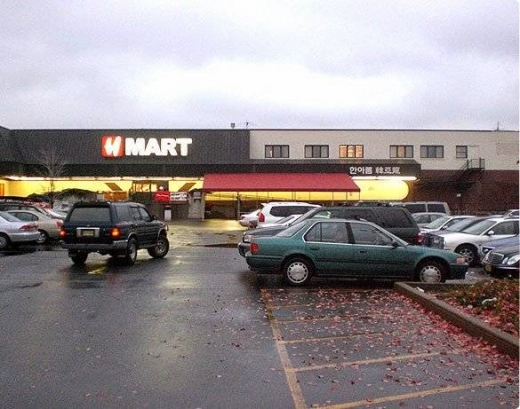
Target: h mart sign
[119, 146]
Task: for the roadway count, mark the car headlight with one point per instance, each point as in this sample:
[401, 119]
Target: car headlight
[247, 238]
[461, 260]
[513, 260]
[438, 241]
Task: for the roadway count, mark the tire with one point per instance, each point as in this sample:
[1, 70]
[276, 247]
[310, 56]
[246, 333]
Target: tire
[4, 242]
[131, 252]
[297, 271]
[161, 248]
[431, 272]
[470, 254]
[79, 258]
[43, 238]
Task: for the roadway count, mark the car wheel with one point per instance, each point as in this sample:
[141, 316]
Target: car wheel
[79, 258]
[4, 242]
[469, 253]
[161, 248]
[43, 238]
[432, 272]
[297, 271]
[131, 252]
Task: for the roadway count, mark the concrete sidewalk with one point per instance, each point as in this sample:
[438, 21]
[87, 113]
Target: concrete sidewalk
[211, 232]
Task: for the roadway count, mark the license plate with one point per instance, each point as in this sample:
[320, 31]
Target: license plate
[87, 233]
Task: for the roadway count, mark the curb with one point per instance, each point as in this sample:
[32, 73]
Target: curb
[503, 341]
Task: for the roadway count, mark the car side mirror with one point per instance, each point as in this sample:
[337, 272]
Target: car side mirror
[491, 233]
[395, 244]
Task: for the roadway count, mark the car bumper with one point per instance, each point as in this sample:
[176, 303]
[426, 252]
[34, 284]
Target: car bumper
[243, 248]
[24, 237]
[499, 270]
[263, 264]
[93, 247]
[458, 271]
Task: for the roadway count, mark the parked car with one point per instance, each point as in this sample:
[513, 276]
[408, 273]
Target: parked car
[442, 223]
[417, 207]
[396, 220]
[424, 218]
[351, 249]
[467, 241]
[249, 219]
[502, 261]
[494, 244]
[15, 231]
[13, 205]
[48, 227]
[426, 236]
[274, 211]
[119, 229]
[512, 213]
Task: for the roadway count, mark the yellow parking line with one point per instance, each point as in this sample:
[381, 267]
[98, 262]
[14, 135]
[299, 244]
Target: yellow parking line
[369, 361]
[421, 394]
[294, 387]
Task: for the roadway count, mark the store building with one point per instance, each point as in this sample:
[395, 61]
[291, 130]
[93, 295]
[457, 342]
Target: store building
[188, 173]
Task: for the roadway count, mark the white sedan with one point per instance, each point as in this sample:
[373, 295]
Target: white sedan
[467, 241]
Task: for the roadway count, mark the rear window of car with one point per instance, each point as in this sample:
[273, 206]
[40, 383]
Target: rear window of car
[284, 211]
[91, 214]
[436, 207]
[415, 207]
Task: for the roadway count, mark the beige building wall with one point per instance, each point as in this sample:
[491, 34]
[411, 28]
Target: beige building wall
[499, 149]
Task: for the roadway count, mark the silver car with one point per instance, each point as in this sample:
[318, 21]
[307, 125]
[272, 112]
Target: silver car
[48, 227]
[16, 231]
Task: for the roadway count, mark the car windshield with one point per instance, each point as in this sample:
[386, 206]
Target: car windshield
[479, 228]
[437, 223]
[462, 224]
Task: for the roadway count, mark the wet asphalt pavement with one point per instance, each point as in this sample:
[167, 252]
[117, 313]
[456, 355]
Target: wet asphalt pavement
[198, 330]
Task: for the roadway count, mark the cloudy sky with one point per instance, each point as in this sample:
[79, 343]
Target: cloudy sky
[422, 64]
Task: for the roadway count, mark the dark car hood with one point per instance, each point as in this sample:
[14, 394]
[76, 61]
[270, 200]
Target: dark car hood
[508, 250]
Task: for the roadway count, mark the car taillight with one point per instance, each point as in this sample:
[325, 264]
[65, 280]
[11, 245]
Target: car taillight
[261, 218]
[63, 233]
[254, 248]
[59, 223]
[115, 232]
[28, 227]
[420, 238]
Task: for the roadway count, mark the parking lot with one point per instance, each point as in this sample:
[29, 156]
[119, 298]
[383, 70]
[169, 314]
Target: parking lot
[197, 329]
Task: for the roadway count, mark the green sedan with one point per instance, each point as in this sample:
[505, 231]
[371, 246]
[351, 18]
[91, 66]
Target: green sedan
[351, 249]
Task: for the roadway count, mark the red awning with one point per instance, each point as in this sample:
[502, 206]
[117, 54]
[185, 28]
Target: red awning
[279, 182]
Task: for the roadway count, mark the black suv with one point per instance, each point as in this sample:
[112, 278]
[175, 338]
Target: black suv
[115, 228]
[396, 220]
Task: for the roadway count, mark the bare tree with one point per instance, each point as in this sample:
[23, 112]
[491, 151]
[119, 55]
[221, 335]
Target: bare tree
[52, 167]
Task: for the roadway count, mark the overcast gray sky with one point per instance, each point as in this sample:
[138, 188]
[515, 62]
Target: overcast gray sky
[422, 64]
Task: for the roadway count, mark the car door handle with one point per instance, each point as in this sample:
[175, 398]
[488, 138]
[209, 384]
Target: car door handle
[362, 251]
[314, 247]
